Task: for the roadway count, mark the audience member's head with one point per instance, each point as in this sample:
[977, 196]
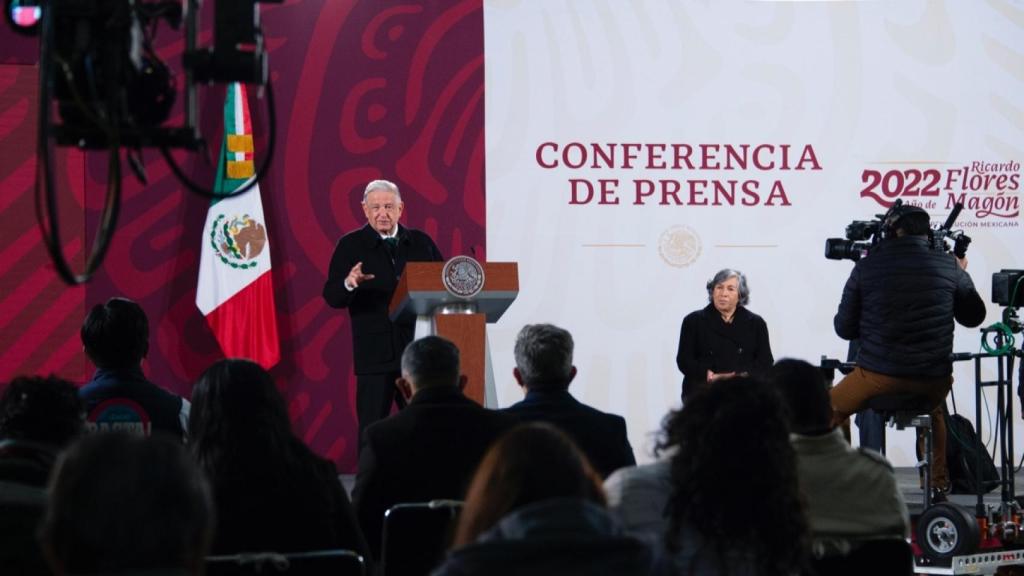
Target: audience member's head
[734, 475]
[45, 410]
[802, 388]
[530, 463]
[237, 412]
[544, 357]
[119, 503]
[116, 334]
[430, 362]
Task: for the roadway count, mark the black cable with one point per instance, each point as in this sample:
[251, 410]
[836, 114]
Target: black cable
[45, 195]
[991, 431]
[212, 194]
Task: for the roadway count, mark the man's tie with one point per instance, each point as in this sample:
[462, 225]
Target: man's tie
[391, 245]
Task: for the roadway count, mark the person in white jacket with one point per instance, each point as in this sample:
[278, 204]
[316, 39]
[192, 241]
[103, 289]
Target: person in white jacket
[847, 491]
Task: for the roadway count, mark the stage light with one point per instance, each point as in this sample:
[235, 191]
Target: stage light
[23, 16]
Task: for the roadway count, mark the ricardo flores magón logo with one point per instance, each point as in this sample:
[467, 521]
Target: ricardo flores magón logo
[989, 191]
[238, 240]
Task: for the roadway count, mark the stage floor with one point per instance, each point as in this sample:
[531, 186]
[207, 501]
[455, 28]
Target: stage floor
[907, 478]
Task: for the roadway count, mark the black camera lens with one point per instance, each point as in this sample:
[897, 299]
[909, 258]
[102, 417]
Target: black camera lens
[843, 249]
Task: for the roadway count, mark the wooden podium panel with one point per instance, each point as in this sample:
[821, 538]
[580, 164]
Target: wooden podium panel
[468, 333]
[421, 292]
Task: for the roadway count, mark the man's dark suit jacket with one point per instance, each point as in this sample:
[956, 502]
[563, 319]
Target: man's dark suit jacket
[377, 344]
[601, 436]
[428, 451]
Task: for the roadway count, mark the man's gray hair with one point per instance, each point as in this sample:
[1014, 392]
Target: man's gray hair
[724, 275]
[431, 361]
[382, 185]
[544, 356]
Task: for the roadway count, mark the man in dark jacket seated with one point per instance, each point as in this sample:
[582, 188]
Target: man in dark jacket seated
[544, 370]
[901, 302]
[119, 397]
[430, 449]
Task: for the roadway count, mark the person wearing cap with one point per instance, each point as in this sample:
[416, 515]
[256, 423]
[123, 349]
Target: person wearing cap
[901, 302]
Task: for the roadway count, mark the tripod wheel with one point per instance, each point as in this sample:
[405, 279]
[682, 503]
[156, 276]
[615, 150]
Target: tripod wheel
[946, 530]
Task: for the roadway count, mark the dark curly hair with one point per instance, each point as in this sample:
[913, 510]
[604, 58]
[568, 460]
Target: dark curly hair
[41, 409]
[734, 477]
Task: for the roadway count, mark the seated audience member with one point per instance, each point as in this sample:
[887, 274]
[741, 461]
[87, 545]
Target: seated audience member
[428, 450]
[119, 397]
[38, 418]
[120, 504]
[638, 497]
[847, 491]
[735, 505]
[535, 506]
[544, 370]
[270, 491]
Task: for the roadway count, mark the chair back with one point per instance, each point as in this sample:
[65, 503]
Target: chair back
[416, 536]
[883, 556]
[314, 563]
[21, 509]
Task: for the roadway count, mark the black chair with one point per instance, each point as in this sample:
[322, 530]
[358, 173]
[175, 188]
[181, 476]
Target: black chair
[909, 410]
[416, 536]
[315, 563]
[21, 509]
[886, 556]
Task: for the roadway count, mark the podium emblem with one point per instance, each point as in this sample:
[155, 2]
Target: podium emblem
[463, 277]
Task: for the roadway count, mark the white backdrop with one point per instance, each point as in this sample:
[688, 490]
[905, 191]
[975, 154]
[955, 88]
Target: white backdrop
[901, 88]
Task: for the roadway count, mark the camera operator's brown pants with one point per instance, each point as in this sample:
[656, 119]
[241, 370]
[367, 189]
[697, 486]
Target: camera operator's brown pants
[850, 394]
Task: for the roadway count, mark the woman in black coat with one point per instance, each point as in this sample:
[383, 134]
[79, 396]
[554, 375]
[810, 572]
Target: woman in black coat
[723, 339]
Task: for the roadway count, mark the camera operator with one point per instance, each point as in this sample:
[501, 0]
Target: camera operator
[901, 301]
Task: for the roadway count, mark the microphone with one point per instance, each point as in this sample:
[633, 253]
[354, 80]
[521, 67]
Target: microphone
[957, 208]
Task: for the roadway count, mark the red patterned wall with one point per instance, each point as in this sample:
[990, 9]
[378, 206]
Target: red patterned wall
[39, 315]
[365, 89]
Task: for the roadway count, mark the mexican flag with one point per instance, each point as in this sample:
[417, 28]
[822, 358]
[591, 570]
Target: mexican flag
[235, 290]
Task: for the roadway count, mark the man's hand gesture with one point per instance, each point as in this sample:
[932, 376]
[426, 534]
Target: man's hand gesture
[356, 277]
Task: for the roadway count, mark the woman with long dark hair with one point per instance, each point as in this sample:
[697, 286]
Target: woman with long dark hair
[270, 491]
[735, 507]
[535, 506]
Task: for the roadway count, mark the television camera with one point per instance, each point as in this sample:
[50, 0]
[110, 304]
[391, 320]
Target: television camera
[102, 86]
[863, 235]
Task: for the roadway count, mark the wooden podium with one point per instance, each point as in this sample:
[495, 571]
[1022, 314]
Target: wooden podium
[421, 292]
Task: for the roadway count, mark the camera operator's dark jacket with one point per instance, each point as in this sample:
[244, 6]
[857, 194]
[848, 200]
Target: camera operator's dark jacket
[901, 301]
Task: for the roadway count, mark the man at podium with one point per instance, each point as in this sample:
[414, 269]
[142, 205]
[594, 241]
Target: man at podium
[363, 274]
